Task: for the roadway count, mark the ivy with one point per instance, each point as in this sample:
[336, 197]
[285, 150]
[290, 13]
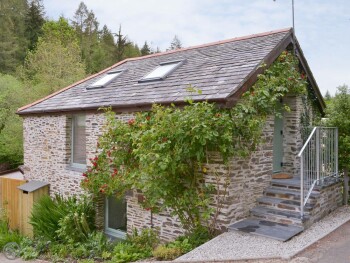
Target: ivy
[165, 152]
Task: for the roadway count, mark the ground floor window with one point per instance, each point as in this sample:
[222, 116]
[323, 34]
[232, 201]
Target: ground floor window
[115, 217]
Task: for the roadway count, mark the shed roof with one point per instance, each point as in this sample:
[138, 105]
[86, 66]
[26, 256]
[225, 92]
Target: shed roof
[32, 186]
[221, 70]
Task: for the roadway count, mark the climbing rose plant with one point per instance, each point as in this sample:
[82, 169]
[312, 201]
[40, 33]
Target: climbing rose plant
[165, 152]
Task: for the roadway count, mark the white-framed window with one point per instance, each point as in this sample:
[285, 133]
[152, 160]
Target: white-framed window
[115, 217]
[105, 80]
[78, 143]
[162, 71]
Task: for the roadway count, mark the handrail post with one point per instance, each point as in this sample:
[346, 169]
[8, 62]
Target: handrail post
[302, 187]
[318, 155]
[336, 153]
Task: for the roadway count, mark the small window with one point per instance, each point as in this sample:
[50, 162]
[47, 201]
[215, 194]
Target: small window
[162, 71]
[104, 81]
[78, 141]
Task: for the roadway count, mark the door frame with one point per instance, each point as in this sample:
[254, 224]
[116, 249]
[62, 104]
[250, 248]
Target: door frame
[278, 144]
[111, 231]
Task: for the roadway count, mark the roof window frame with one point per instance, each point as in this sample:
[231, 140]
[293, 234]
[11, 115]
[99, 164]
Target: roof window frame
[166, 74]
[117, 72]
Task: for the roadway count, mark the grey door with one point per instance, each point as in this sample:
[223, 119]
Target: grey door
[115, 216]
[278, 145]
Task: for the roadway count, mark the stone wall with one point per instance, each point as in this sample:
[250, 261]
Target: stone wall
[47, 157]
[292, 141]
[330, 198]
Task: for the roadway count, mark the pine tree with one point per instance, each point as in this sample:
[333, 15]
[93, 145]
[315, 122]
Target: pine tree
[13, 42]
[122, 44]
[34, 21]
[86, 26]
[327, 96]
[145, 50]
[175, 43]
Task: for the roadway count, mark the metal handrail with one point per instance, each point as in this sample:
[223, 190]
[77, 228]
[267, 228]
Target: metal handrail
[318, 161]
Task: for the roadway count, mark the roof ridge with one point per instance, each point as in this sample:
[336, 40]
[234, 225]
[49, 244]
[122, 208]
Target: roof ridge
[155, 55]
[214, 43]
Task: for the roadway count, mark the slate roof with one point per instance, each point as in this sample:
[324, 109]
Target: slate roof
[221, 70]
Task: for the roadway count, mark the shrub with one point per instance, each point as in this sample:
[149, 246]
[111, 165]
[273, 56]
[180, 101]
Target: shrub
[68, 220]
[7, 235]
[136, 246]
[167, 253]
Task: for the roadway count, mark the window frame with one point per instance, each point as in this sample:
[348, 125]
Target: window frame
[166, 74]
[117, 74]
[72, 163]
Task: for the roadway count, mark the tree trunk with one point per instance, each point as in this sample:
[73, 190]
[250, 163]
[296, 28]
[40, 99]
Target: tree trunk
[346, 186]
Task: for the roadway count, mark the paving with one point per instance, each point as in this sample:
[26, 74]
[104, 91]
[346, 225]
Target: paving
[243, 246]
[265, 228]
[3, 259]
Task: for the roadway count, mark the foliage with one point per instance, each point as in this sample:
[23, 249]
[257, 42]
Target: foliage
[167, 162]
[55, 63]
[175, 43]
[11, 148]
[338, 113]
[146, 49]
[13, 42]
[31, 249]
[183, 244]
[167, 253]
[136, 246]
[66, 220]
[7, 235]
[34, 21]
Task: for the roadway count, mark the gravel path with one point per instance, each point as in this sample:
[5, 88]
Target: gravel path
[240, 246]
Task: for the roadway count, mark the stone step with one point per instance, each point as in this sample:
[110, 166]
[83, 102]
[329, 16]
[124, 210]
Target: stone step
[265, 228]
[278, 216]
[294, 184]
[282, 204]
[288, 194]
[291, 184]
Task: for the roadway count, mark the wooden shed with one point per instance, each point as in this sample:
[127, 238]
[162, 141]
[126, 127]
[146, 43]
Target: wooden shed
[29, 194]
[9, 181]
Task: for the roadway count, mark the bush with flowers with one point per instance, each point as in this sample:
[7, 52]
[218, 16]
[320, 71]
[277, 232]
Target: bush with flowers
[164, 152]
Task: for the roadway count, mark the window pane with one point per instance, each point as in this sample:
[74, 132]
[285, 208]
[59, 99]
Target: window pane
[161, 71]
[105, 80]
[79, 140]
[116, 218]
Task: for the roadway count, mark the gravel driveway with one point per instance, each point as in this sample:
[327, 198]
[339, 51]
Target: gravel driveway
[242, 246]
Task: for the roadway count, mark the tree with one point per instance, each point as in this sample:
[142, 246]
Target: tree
[108, 48]
[175, 44]
[327, 96]
[55, 62]
[13, 42]
[11, 141]
[122, 44]
[145, 50]
[34, 20]
[86, 26]
[338, 113]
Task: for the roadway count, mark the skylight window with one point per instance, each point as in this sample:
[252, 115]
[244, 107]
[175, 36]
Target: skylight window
[162, 71]
[104, 81]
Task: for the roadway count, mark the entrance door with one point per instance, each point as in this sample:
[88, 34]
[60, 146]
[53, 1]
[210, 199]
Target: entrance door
[278, 145]
[115, 217]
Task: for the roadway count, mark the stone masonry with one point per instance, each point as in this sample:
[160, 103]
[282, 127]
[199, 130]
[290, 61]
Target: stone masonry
[47, 156]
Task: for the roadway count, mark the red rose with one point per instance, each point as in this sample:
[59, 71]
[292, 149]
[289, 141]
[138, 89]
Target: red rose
[84, 174]
[131, 122]
[148, 118]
